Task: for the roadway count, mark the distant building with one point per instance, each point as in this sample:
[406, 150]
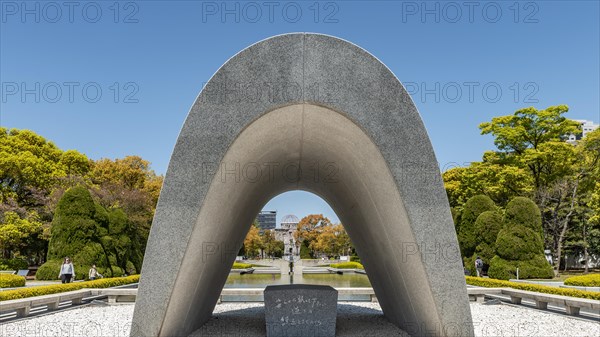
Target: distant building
[586, 127]
[285, 233]
[267, 220]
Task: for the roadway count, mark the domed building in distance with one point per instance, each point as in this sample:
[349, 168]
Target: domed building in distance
[285, 233]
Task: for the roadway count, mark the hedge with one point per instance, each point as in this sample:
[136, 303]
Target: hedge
[61, 288]
[591, 280]
[237, 265]
[347, 265]
[537, 267]
[11, 281]
[491, 283]
[16, 263]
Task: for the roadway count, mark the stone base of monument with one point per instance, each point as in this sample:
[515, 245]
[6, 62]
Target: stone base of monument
[300, 310]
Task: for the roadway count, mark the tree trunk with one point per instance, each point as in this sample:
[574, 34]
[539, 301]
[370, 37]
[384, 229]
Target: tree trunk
[585, 250]
[565, 225]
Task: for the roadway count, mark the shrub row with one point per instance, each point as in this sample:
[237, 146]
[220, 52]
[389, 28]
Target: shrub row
[347, 265]
[11, 281]
[237, 265]
[492, 283]
[16, 263]
[591, 280]
[61, 288]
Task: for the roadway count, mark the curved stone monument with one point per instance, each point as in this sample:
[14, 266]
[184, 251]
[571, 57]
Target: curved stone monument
[315, 113]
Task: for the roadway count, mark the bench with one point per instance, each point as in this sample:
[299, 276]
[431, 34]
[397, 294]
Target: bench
[117, 295]
[478, 294]
[358, 291]
[23, 305]
[571, 304]
[7, 272]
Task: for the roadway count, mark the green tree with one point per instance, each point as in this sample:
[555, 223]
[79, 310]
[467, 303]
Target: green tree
[75, 163]
[272, 247]
[16, 232]
[305, 252]
[490, 177]
[522, 138]
[27, 163]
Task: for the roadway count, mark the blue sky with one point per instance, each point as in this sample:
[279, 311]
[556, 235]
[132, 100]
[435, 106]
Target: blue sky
[149, 59]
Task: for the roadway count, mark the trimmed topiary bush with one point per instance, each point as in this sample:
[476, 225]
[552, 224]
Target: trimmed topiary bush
[11, 281]
[537, 267]
[519, 244]
[591, 280]
[523, 211]
[467, 238]
[487, 226]
[347, 265]
[89, 234]
[237, 265]
[49, 270]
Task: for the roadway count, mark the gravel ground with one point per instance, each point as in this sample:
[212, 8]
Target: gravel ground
[247, 319]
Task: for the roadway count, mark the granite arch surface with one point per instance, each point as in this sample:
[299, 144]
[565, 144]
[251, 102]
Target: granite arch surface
[304, 112]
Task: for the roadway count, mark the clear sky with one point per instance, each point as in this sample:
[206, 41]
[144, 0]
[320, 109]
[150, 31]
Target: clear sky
[463, 62]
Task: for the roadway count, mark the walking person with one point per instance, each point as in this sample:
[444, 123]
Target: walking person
[93, 273]
[66, 271]
[479, 266]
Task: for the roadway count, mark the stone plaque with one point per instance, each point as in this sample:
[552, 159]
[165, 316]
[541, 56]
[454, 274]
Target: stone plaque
[300, 310]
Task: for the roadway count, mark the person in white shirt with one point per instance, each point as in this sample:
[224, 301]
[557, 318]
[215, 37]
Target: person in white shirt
[93, 273]
[66, 271]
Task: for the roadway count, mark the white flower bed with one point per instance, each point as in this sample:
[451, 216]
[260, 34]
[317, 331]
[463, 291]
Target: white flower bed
[247, 319]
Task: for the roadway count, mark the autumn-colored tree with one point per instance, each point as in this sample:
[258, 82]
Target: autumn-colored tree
[332, 240]
[253, 241]
[130, 185]
[309, 228]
